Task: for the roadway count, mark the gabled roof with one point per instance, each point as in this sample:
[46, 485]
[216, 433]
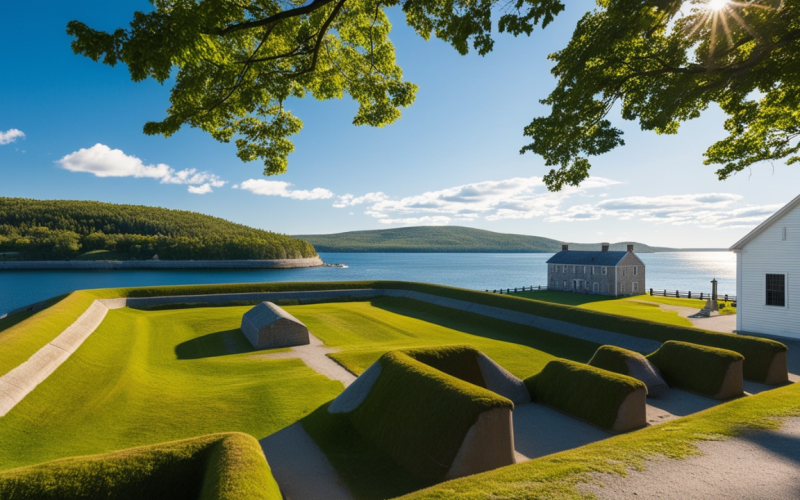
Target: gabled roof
[587, 258]
[739, 245]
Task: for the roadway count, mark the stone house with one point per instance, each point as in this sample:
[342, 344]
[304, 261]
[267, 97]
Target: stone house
[597, 272]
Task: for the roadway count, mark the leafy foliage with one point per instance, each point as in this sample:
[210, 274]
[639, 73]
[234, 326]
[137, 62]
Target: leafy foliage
[239, 62]
[663, 62]
[60, 229]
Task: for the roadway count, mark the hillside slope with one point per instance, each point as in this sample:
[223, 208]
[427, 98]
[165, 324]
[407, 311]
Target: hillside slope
[64, 229]
[445, 239]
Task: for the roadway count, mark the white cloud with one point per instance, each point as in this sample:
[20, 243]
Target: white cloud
[707, 210]
[348, 200]
[281, 188]
[202, 189]
[517, 198]
[103, 161]
[10, 136]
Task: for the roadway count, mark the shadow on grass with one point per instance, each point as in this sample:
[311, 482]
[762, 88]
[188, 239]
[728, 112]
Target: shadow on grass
[563, 298]
[213, 345]
[369, 472]
[555, 344]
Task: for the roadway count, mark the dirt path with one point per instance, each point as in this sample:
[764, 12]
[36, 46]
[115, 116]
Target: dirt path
[300, 468]
[757, 465]
[315, 356]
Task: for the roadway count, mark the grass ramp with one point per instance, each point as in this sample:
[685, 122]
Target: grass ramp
[228, 466]
[589, 393]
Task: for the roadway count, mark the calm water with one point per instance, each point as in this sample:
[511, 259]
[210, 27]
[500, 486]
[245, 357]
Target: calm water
[683, 271]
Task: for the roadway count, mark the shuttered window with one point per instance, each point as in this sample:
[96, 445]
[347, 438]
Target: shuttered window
[776, 290]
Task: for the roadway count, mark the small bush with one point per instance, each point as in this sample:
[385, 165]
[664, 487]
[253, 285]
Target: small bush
[695, 368]
[589, 393]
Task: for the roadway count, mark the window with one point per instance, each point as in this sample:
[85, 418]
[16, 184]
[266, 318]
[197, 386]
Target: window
[776, 290]
[574, 269]
[636, 270]
[605, 270]
[596, 287]
[622, 288]
[565, 269]
[565, 284]
[623, 270]
[635, 286]
[584, 269]
[592, 268]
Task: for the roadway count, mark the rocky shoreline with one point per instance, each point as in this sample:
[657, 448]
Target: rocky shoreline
[160, 264]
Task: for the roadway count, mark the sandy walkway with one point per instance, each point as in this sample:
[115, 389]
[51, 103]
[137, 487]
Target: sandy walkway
[758, 465]
[300, 468]
[315, 356]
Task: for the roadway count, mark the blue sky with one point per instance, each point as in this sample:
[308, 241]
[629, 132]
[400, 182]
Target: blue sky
[452, 159]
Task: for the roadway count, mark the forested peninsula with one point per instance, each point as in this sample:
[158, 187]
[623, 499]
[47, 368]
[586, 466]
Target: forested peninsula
[451, 239]
[89, 230]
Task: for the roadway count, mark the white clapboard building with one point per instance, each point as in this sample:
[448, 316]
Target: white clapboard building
[768, 275]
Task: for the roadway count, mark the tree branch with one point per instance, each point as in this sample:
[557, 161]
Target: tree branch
[285, 14]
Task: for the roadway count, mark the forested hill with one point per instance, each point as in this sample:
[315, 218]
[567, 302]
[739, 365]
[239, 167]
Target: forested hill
[445, 239]
[62, 229]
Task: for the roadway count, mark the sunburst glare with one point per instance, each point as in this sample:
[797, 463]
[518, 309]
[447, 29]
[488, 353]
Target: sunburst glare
[717, 5]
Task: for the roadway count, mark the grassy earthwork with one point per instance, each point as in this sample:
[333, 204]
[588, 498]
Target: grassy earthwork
[147, 378]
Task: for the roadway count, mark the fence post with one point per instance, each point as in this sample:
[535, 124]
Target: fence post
[726, 297]
[515, 289]
[651, 292]
[677, 294]
[665, 293]
[508, 291]
[690, 294]
[701, 295]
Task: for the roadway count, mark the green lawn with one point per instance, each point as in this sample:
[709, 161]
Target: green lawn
[364, 331]
[149, 377]
[632, 307]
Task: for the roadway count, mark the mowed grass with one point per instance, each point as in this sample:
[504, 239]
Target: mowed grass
[364, 331]
[631, 307]
[149, 377]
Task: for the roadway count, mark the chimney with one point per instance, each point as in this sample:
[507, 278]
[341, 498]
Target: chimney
[630, 248]
[605, 246]
[564, 248]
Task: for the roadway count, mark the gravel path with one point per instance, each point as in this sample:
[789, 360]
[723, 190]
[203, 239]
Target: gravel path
[315, 356]
[725, 323]
[757, 465]
[300, 468]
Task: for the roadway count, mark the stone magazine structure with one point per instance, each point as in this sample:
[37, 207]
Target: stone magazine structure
[267, 326]
[596, 272]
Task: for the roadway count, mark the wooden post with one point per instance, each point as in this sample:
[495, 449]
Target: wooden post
[677, 294]
[701, 295]
[690, 294]
[665, 293]
[651, 292]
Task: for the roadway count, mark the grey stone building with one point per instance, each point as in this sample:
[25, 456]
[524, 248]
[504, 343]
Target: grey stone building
[267, 326]
[596, 272]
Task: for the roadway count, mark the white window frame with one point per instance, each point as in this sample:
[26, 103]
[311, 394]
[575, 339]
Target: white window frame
[565, 269]
[622, 288]
[636, 270]
[604, 270]
[565, 285]
[635, 286]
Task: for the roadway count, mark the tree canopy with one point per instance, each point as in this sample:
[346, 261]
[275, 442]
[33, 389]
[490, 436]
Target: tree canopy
[663, 62]
[235, 63]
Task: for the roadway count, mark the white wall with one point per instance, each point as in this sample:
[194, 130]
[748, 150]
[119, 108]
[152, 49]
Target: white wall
[766, 254]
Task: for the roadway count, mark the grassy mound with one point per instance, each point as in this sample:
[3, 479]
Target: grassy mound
[227, 466]
[589, 393]
[419, 415]
[694, 368]
[459, 361]
[612, 358]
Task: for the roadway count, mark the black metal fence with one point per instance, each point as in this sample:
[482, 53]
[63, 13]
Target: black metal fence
[531, 288]
[689, 295]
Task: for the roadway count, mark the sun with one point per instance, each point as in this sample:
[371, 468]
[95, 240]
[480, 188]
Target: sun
[717, 5]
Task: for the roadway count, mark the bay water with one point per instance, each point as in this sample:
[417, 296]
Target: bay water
[685, 271]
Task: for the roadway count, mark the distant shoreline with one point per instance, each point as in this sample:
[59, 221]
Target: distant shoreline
[51, 265]
[322, 249]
